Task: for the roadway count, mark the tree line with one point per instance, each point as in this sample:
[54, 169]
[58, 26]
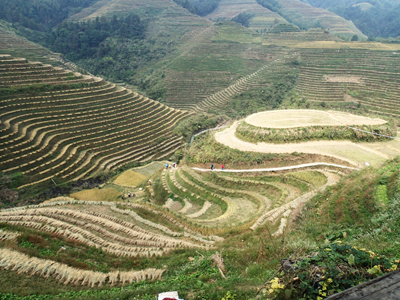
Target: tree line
[199, 7]
[84, 39]
[40, 15]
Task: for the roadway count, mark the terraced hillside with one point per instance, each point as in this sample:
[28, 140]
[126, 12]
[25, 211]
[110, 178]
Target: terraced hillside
[202, 207]
[117, 231]
[295, 38]
[169, 23]
[219, 201]
[63, 125]
[10, 43]
[224, 61]
[350, 75]
[307, 16]
[261, 18]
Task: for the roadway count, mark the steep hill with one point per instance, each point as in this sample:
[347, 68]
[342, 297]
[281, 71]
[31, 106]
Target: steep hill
[307, 16]
[351, 75]
[378, 18]
[225, 60]
[64, 125]
[166, 18]
[259, 18]
[169, 28]
[10, 42]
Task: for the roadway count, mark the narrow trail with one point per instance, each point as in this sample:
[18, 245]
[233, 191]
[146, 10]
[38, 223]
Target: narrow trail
[226, 124]
[277, 169]
[354, 153]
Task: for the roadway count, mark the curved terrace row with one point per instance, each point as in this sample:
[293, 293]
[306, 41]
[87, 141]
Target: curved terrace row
[57, 126]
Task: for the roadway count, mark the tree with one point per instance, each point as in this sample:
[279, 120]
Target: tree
[354, 38]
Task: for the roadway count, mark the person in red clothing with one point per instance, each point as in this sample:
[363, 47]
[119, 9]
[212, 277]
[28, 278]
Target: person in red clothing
[222, 167]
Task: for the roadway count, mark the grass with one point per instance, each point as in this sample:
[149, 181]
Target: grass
[149, 169]
[353, 201]
[155, 218]
[342, 45]
[255, 134]
[345, 152]
[107, 194]
[233, 32]
[25, 285]
[67, 251]
[363, 209]
[349, 211]
[130, 178]
[267, 190]
[212, 63]
[314, 178]
[205, 150]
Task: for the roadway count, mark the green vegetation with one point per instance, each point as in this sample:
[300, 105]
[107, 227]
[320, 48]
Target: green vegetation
[334, 267]
[352, 208]
[206, 150]
[85, 39]
[269, 97]
[270, 4]
[306, 17]
[243, 18]
[321, 239]
[255, 134]
[378, 19]
[41, 16]
[199, 7]
[194, 124]
[68, 251]
[61, 126]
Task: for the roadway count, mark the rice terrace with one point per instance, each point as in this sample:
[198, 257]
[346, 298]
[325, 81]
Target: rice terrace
[213, 149]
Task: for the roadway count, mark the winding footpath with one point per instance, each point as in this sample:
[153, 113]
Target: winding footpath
[354, 153]
[277, 169]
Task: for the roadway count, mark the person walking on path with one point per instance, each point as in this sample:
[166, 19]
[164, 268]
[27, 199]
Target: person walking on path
[166, 166]
[212, 167]
[222, 167]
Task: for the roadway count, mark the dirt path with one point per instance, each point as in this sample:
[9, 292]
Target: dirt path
[355, 154]
[275, 169]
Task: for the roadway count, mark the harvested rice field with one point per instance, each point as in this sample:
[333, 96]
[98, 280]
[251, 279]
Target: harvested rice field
[130, 178]
[302, 118]
[107, 194]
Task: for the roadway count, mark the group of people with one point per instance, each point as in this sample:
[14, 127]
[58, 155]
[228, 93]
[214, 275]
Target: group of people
[222, 167]
[173, 165]
[129, 194]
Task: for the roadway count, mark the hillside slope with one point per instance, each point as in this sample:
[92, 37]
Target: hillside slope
[169, 28]
[64, 125]
[307, 16]
[165, 17]
[374, 18]
[10, 42]
[260, 17]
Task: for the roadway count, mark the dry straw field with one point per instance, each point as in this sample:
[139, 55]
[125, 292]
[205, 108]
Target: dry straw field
[130, 178]
[215, 202]
[117, 230]
[304, 118]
